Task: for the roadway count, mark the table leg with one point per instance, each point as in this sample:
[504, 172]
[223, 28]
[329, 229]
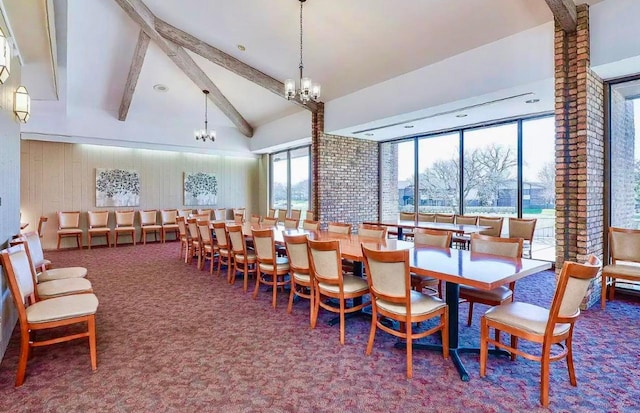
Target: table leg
[400, 234]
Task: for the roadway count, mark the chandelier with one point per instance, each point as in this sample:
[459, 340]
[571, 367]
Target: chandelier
[205, 134]
[308, 90]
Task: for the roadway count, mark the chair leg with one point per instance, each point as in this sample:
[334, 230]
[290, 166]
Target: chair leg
[311, 303]
[91, 324]
[59, 239]
[291, 294]
[342, 321]
[514, 345]
[444, 320]
[470, 316]
[316, 308]
[274, 279]
[409, 351]
[24, 356]
[255, 290]
[245, 273]
[372, 330]
[603, 294]
[544, 374]
[89, 236]
[572, 371]
[484, 335]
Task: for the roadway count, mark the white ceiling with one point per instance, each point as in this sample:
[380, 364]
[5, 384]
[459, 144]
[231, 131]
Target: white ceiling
[349, 47]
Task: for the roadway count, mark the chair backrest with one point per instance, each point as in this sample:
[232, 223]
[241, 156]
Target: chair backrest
[202, 217]
[168, 216]
[236, 239]
[17, 268]
[325, 261]
[522, 228]
[192, 226]
[467, 219]
[309, 216]
[238, 218]
[220, 214]
[291, 223]
[372, 231]
[445, 218]
[242, 211]
[310, 225]
[339, 228]
[295, 214]
[572, 286]
[124, 218]
[282, 214]
[407, 216]
[148, 217]
[206, 212]
[388, 275]
[204, 232]
[98, 219]
[624, 244]
[264, 244]
[270, 221]
[494, 222]
[426, 217]
[271, 213]
[504, 247]
[68, 219]
[184, 212]
[42, 223]
[431, 238]
[220, 229]
[182, 226]
[298, 252]
[34, 246]
[255, 219]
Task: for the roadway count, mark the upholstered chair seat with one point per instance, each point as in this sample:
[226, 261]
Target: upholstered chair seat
[41, 264]
[525, 316]
[352, 284]
[62, 308]
[631, 272]
[61, 274]
[282, 264]
[241, 258]
[63, 287]
[420, 305]
[305, 278]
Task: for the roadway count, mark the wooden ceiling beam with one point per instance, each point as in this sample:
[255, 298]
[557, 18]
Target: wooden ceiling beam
[141, 14]
[565, 14]
[134, 73]
[226, 61]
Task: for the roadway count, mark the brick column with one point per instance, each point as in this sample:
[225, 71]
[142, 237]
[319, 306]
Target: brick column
[579, 113]
[317, 129]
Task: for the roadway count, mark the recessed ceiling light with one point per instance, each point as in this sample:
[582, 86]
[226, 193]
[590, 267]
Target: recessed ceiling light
[461, 115]
[160, 87]
[368, 134]
[241, 48]
[408, 126]
[532, 101]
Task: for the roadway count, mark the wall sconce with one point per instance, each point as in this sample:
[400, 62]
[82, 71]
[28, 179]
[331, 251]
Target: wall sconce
[5, 57]
[22, 104]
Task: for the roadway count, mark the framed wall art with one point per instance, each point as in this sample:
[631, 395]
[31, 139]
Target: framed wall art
[200, 189]
[117, 187]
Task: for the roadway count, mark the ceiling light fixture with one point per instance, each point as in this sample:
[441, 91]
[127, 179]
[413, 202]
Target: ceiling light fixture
[461, 115]
[368, 134]
[5, 58]
[408, 126]
[532, 101]
[308, 90]
[205, 134]
[241, 48]
[22, 104]
[160, 87]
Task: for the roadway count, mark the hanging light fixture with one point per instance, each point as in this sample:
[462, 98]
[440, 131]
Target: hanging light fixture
[308, 90]
[5, 58]
[205, 134]
[22, 104]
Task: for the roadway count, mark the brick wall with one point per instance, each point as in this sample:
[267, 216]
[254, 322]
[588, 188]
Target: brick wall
[579, 115]
[389, 181]
[622, 161]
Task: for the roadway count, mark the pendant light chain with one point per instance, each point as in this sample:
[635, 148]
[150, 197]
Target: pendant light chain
[301, 65]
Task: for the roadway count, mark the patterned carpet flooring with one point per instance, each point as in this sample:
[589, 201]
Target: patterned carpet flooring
[173, 339]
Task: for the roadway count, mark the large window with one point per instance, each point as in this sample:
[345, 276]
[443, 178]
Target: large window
[290, 183]
[508, 170]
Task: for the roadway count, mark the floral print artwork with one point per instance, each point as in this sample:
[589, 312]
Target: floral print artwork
[200, 189]
[117, 187]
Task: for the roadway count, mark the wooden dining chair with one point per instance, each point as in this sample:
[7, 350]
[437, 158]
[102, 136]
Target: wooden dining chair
[45, 314]
[299, 272]
[98, 227]
[282, 214]
[445, 218]
[295, 214]
[225, 256]
[69, 226]
[523, 228]
[494, 222]
[624, 252]
[186, 213]
[238, 218]
[391, 297]
[42, 265]
[207, 249]
[125, 226]
[462, 240]
[309, 225]
[243, 258]
[220, 214]
[429, 238]
[168, 218]
[540, 325]
[185, 239]
[339, 228]
[42, 224]
[291, 223]
[426, 217]
[325, 262]
[271, 213]
[196, 242]
[255, 219]
[204, 212]
[271, 268]
[372, 231]
[504, 247]
[309, 216]
[149, 225]
[269, 222]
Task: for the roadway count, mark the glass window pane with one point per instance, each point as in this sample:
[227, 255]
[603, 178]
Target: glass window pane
[279, 180]
[439, 173]
[490, 171]
[406, 179]
[300, 179]
[538, 181]
[396, 178]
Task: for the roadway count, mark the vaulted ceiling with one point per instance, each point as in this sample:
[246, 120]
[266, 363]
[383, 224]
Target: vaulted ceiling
[349, 47]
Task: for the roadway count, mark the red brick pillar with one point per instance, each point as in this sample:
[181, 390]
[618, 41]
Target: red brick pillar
[579, 112]
[317, 129]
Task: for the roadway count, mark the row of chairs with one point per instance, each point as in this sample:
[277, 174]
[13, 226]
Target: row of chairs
[281, 214]
[69, 224]
[47, 299]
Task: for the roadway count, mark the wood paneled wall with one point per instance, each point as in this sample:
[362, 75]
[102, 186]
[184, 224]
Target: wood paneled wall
[61, 177]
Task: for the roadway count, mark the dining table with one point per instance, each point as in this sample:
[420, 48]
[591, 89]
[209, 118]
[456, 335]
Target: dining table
[462, 267]
[401, 225]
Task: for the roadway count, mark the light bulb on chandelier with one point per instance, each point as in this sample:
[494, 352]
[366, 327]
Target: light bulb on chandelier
[205, 134]
[308, 90]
